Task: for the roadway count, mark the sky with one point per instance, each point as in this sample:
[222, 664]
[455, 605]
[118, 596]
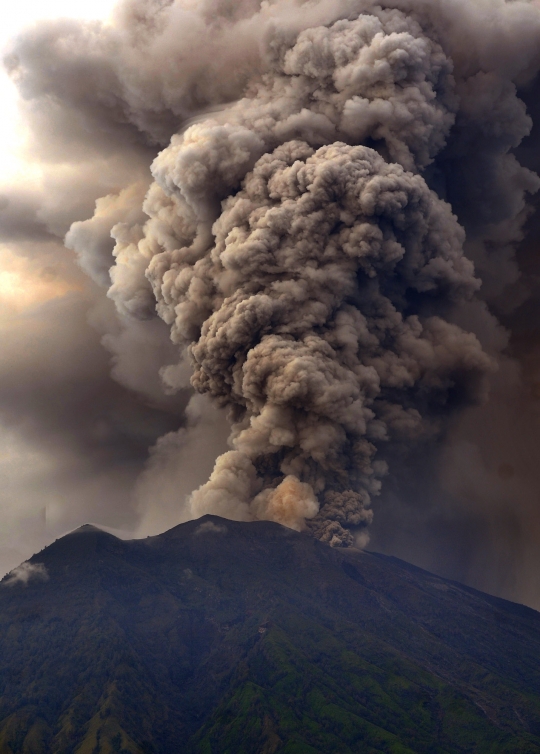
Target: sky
[24, 525]
[386, 398]
[15, 18]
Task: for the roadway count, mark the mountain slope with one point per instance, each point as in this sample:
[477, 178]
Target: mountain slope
[223, 637]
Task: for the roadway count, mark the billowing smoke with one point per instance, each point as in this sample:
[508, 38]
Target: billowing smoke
[328, 234]
[312, 284]
[300, 322]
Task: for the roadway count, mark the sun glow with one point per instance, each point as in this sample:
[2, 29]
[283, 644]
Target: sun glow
[24, 285]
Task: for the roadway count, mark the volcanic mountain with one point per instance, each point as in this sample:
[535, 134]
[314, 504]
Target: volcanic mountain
[219, 637]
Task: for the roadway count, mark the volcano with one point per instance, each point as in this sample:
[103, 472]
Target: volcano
[220, 637]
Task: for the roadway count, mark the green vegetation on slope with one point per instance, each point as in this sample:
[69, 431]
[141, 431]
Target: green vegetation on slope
[257, 639]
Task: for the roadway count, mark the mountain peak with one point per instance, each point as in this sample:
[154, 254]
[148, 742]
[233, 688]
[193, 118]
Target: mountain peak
[85, 529]
[250, 636]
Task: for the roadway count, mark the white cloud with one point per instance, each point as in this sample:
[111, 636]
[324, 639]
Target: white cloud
[25, 572]
[209, 527]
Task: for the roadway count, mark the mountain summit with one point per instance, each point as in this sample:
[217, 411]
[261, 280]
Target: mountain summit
[219, 637]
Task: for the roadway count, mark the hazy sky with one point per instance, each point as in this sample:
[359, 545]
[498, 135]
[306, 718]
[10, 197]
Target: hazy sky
[15, 18]
[97, 420]
[23, 287]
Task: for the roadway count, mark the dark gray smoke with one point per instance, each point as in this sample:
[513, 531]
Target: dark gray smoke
[311, 318]
[330, 235]
[316, 290]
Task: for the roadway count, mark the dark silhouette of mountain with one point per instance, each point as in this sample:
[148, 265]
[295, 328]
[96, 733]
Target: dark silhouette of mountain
[220, 637]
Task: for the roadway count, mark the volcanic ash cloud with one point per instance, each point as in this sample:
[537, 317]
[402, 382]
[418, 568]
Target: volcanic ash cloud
[297, 252]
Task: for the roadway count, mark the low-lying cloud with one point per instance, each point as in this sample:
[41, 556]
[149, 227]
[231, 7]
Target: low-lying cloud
[26, 572]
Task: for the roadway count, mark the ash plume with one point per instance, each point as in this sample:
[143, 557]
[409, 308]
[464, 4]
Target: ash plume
[328, 230]
[312, 285]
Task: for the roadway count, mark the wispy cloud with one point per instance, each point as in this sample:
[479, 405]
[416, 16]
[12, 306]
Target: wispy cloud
[209, 527]
[26, 572]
